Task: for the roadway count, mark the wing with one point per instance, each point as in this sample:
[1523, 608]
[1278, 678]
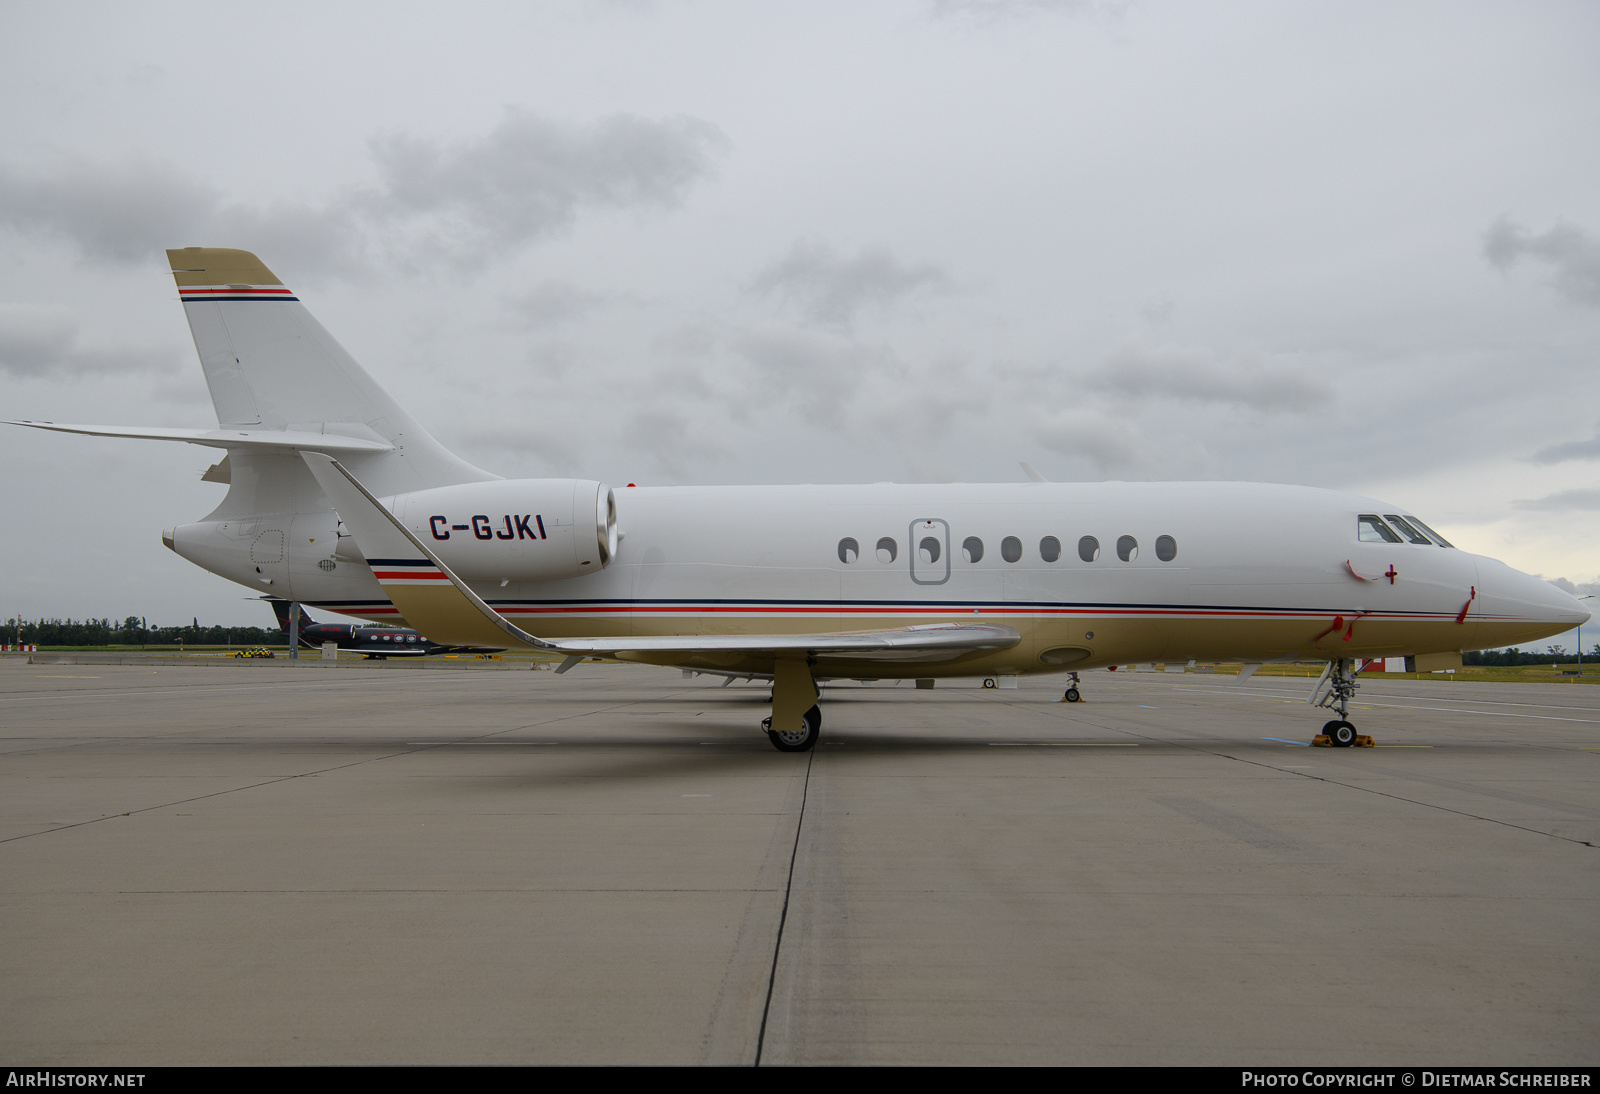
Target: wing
[439, 604]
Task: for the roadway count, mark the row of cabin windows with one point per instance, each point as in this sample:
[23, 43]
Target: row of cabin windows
[1010, 549]
[1370, 528]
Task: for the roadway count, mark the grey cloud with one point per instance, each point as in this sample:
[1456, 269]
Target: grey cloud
[674, 437]
[1158, 313]
[1194, 375]
[1580, 588]
[1111, 445]
[994, 11]
[831, 289]
[529, 176]
[1569, 450]
[37, 341]
[553, 303]
[126, 214]
[1563, 502]
[817, 376]
[686, 341]
[1571, 253]
[525, 180]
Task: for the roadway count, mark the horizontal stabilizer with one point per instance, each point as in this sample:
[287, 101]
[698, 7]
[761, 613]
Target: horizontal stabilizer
[223, 438]
[439, 604]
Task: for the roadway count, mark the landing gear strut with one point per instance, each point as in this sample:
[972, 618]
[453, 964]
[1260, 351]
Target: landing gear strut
[796, 721]
[1072, 695]
[1334, 691]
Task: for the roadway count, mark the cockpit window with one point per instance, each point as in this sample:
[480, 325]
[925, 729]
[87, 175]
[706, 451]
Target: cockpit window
[1371, 529]
[1406, 530]
[1437, 538]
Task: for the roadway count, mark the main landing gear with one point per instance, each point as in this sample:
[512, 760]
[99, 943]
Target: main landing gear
[801, 738]
[1334, 691]
[1072, 695]
[796, 720]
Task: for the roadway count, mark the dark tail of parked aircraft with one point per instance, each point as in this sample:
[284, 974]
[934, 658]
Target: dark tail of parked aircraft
[280, 608]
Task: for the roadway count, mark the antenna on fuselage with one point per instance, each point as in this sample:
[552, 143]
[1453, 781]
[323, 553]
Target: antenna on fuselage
[1031, 471]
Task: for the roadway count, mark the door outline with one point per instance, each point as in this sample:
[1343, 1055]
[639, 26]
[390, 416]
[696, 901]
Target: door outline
[936, 572]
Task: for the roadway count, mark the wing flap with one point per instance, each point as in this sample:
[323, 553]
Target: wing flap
[899, 644]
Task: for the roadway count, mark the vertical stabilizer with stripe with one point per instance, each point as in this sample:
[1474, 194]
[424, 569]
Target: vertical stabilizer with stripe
[271, 366]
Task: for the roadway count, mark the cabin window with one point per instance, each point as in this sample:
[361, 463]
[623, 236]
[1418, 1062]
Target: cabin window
[929, 550]
[1088, 548]
[887, 551]
[1166, 548]
[1011, 548]
[1127, 548]
[972, 549]
[1437, 538]
[849, 550]
[1397, 521]
[1371, 529]
[1049, 548]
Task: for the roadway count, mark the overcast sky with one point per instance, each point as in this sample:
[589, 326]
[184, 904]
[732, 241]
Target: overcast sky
[1345, 245]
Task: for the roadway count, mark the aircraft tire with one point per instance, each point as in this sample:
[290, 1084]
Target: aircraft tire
[803, 738]
[1072, 695]
[1342, 734]
[988, 681]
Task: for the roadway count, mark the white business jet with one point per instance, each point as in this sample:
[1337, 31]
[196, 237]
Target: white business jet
[339, 499]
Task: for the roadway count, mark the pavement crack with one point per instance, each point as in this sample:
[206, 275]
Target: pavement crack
[783, 913]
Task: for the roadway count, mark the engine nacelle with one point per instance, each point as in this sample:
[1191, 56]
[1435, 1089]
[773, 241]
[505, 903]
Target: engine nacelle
[515, 529]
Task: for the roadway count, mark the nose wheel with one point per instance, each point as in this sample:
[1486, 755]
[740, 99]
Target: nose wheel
[1340, 734]
[1072, 694]
[801, 737]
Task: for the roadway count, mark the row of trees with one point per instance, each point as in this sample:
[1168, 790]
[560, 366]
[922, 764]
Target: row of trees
[1552, 655]
[133, 631]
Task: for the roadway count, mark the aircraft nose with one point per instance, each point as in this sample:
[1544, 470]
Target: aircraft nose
[1529, 606]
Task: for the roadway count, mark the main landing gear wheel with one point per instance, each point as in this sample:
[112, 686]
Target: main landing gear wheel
[1340, 734]
[802, 738]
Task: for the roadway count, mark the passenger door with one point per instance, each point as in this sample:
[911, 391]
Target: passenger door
[928, 544]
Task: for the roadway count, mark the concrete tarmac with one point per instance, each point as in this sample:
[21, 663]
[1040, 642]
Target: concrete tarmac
[241, 865]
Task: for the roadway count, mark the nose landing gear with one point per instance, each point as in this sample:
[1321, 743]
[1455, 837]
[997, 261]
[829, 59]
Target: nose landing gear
[1072, 695]
[1335, 690]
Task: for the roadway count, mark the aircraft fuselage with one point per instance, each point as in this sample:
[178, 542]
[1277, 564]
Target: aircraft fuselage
[1089, 574]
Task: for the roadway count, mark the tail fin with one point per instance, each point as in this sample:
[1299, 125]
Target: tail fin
[271, 366]
[280, 608]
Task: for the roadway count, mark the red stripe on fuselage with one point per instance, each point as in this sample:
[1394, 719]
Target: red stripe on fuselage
[235, 292]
